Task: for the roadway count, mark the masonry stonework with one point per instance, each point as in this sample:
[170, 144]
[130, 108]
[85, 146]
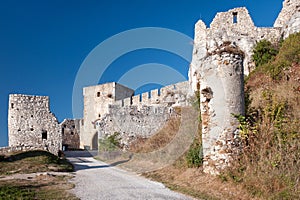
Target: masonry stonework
[96, 104]
[70, 129]
[30, 123]
[221, 56]
[142, 115]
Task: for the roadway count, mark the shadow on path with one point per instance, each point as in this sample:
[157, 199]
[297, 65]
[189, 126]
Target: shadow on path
[81, 161]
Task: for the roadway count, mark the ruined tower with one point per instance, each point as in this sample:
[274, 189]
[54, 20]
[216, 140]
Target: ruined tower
[221, 56]
[96, 101]
[31, 124]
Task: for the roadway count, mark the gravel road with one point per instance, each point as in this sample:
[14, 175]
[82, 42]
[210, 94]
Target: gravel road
[97, 180]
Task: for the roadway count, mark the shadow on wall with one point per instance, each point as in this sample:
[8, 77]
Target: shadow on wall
[95, 141]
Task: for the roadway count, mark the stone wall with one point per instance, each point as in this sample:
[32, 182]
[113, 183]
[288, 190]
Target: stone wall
[132, 122]
[234, 26]
[175, 94]
[96, 101]
[221, 56]
[289, 8]
[70, 129]
[30, 123]
[221, 96]
[138, 116]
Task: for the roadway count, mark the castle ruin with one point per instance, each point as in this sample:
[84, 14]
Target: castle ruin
[221, 57]
[31, 125]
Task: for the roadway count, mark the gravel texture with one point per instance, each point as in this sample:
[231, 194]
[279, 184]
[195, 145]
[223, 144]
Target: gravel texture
[97, 180]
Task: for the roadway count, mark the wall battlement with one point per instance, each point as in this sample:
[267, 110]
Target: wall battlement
[168, 95]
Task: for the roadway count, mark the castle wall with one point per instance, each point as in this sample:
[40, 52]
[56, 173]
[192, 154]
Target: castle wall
[142, 115]
[96, 101]
[175, 94]
[30, 123]
[70, 129]
[289, 7]
[234, 26]
[132, 122]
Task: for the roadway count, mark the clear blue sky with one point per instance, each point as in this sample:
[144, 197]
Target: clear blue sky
[44, 42]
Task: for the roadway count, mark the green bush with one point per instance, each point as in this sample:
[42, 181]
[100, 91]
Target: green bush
[110, 143]
[194, 156]
[263, 52]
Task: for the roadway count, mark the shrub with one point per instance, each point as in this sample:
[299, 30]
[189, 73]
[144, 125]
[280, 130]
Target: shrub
[263, 52]
[110, 143]
[194, 156]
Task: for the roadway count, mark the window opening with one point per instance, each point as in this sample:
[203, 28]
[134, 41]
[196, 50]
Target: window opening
[44, 135]
[234, 14]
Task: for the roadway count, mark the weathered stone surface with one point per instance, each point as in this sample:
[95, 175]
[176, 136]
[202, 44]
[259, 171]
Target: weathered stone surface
[132, 122]
[289, 7]
[289, 18]
[70, 129]
[221, 95]
[221, 54]
[96, 101]
[139, 116]
[30, 123]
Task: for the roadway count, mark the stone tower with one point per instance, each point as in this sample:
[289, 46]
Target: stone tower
[30, 123]
[96, 104]
[221, 56]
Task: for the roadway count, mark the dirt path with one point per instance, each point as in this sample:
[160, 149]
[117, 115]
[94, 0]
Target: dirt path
[97, 180]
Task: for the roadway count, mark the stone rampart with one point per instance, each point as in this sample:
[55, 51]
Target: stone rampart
[175, 94]
[132, 122]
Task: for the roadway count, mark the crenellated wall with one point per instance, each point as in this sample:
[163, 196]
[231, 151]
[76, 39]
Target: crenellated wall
[175, 94]
[96, 104]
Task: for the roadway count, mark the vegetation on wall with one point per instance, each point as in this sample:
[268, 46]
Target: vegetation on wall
[269, 166]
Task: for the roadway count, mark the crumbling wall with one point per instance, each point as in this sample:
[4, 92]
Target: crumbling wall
[289, 8]
[132, 122]
[70, 129]
[30, 123]
[221, 56]
[234, 26]
[96, 101]
[221, 96]
[142, 115]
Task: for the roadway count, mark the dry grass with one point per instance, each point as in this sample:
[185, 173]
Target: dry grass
[269, 167]
[21, 177]
[193, 182]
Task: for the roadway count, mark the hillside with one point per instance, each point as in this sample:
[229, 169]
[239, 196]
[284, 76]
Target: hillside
[269, 166]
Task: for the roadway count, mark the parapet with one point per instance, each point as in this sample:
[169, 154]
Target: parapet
[169, 95]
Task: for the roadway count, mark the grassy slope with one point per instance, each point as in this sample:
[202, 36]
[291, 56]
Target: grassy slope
[270, 166]
[45, 186]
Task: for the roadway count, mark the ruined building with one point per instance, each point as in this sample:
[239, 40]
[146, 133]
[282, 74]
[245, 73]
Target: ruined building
[31, 125]
[70, 131]
[221, 57]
